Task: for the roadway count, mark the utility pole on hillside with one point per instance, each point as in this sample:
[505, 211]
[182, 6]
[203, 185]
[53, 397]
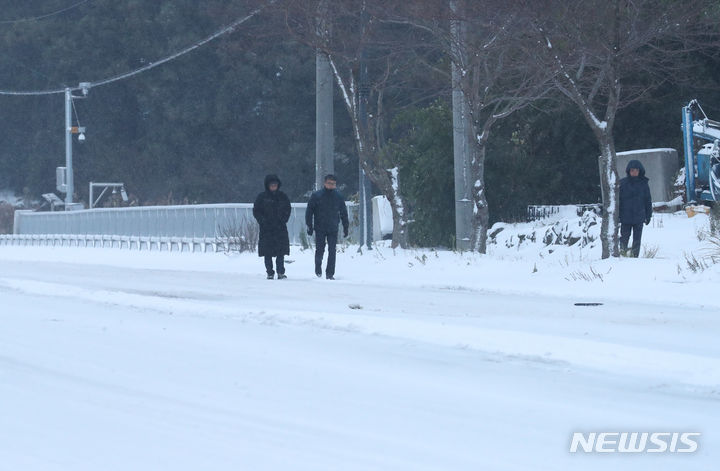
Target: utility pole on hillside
[324, 83]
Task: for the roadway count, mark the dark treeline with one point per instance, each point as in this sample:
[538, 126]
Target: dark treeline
[207, 127]
[203, 128]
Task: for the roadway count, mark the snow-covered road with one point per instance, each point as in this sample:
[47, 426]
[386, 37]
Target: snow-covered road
[173, 361]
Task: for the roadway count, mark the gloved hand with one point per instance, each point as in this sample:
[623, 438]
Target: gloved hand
[647, 221]
[309, 230]
[345, 232]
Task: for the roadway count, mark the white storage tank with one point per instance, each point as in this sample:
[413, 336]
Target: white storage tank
[661, 167]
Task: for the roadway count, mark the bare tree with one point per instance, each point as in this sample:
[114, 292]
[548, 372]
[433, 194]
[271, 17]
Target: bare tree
[490, 81]
[366, 59]
[606, 54]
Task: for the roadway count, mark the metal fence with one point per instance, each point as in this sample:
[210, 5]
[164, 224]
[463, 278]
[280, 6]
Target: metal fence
[537, 212]
[206, 222]
[170, 244]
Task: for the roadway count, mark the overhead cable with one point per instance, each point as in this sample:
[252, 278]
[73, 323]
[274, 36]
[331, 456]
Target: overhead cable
[224, 30]
[41, 17]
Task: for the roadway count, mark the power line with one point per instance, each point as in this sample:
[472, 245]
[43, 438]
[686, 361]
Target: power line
[224, 30]
[41, 17]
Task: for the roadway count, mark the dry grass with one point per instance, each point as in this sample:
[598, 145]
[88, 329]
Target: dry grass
[239, 236]
[592, 275]
[650, 251]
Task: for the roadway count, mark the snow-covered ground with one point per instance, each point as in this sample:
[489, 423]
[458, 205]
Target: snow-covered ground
[411, 360]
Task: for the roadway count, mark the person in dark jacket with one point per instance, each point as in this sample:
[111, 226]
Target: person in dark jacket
[272, 212]
[635, 206]
[325, 210]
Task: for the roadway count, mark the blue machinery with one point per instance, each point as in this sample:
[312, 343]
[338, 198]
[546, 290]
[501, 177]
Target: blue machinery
[702, 169]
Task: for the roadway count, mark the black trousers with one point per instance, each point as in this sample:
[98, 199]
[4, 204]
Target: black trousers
[625, 230]
[279, 261]
[320, 239]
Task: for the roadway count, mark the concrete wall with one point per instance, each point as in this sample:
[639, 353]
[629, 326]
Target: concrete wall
[661, 167]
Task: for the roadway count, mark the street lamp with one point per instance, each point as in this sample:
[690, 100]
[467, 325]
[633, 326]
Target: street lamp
[69, 131]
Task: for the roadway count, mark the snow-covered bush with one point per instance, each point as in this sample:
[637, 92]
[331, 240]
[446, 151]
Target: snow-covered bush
[582, 231]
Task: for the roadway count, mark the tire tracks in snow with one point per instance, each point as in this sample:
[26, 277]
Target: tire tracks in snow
[699, 373]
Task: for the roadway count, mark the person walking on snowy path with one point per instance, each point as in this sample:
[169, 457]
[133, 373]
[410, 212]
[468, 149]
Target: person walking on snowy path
[325, 210]
[635, 206]
[272, 212]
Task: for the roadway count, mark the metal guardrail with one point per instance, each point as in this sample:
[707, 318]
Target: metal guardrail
[189, 222]
[168, 244]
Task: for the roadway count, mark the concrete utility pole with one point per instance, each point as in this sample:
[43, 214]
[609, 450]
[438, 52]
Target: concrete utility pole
[324, 83]
[461, 140]
[324, 138]
[69, 180]
[68, 149]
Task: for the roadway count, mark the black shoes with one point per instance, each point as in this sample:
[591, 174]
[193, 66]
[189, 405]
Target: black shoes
[282, 276]
[318, 273]
[271, 276]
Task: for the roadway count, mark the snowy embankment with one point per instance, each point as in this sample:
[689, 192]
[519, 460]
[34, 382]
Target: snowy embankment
[419, 359]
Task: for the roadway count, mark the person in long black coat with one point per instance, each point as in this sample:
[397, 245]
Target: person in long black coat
[272, 212]
[325, 211]
[635, 206]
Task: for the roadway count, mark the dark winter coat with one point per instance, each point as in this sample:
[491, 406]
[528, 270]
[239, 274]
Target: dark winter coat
[325, 210]
[272, 212]
[635, 201]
